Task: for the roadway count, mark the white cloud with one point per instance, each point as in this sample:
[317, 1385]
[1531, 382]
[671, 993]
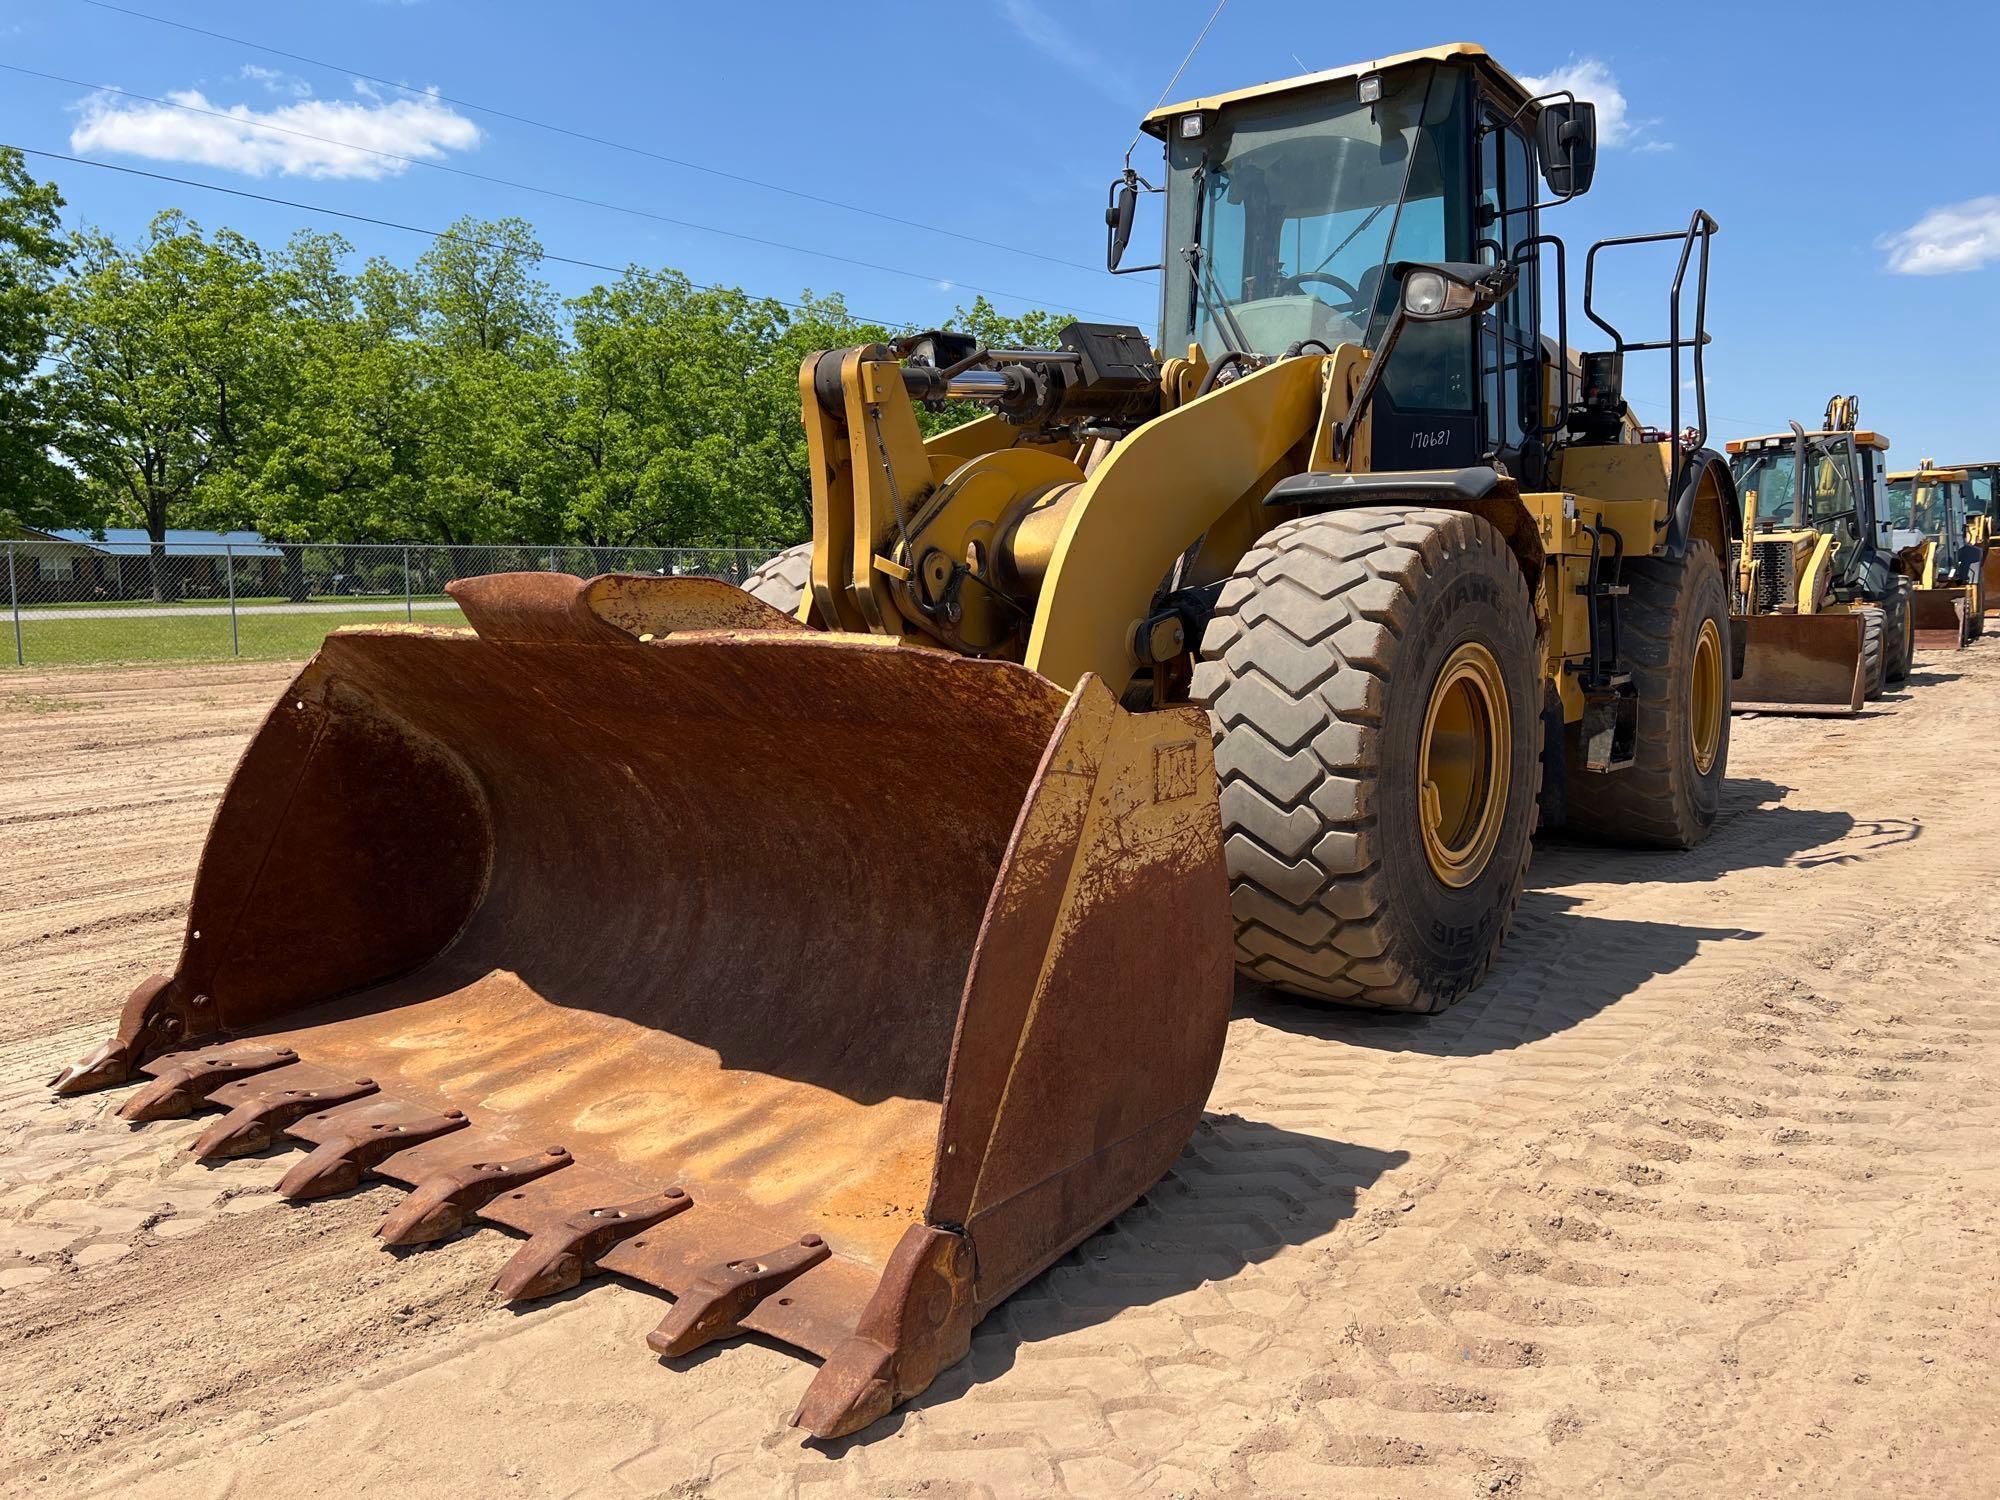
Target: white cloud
[1959, 237]
[1060, 44]
[276, 81]
[230, 136]
[1592, 80]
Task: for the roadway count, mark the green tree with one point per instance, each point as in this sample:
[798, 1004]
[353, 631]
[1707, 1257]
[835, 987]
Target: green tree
[166, 351]
[34, 489]
[426, 403]
[684, 419]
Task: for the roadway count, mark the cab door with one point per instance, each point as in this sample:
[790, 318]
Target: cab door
[1509, 344]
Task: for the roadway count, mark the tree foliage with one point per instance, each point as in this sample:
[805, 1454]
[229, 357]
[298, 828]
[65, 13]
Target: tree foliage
[34, 489]
[198, 379]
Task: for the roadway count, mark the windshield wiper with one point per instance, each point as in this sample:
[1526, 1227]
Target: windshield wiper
[1218, 311]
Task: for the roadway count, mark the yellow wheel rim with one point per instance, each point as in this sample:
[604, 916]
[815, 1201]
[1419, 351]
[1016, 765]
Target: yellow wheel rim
[1705, 694]
[1464, 766]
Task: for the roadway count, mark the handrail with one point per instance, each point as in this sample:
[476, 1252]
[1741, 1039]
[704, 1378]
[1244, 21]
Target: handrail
[1701, 227]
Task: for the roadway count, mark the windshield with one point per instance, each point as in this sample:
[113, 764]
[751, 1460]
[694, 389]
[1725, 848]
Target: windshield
[1286, 213]
[1768, 484]
[1979, 491]
[1920, 505]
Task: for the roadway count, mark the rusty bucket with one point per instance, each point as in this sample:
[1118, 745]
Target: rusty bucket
[831, 986]
[1941, 619]
[1800, 664]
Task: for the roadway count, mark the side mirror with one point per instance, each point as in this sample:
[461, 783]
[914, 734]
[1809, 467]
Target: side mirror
[1566, 138]
[1118, 212]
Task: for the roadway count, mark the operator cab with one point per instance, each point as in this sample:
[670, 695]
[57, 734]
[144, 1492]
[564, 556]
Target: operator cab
[1292, 207]
[1926, 502]
[1836, 491]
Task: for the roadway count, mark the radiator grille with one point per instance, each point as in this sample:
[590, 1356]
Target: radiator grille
[1777, 574]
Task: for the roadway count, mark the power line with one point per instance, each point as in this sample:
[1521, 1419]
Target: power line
[547, 192]
[436, 234]
[598, 140]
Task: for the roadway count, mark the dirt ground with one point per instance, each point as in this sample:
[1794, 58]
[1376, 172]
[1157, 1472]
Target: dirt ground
[1698, 1196]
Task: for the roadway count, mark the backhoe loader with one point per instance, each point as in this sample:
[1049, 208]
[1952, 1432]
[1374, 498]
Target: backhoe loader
[1926, 527]
[1982, 520]
[834, 955]
[1826, 620]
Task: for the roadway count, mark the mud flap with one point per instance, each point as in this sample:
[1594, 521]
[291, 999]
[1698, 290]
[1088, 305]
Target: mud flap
[831, 986]
[1800, 664]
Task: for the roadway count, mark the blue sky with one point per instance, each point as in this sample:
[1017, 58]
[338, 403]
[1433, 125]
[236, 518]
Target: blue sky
[1850, 152]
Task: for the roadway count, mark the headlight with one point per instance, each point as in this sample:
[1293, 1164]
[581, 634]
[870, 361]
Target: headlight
[1424, 294]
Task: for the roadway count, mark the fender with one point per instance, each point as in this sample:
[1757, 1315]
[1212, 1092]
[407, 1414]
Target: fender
[1707, 508]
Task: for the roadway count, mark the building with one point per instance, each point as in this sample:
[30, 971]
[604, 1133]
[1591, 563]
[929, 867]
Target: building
[117, 563]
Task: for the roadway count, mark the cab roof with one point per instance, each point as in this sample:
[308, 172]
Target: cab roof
[1865, 438]
[1160, 119]
[1988, 463]
[1942, 476]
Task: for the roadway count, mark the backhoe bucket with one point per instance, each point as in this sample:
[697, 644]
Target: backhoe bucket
[1940, 618]
[832, 986]
[1800, 664]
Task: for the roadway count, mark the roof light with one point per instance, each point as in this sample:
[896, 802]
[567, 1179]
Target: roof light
[1370, 87]
[1191, 127]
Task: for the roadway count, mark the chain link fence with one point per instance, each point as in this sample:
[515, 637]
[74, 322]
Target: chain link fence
[84, 602]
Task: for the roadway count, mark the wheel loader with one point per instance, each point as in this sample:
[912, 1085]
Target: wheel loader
[1826, 619]
[834, 965]
[1927, 528]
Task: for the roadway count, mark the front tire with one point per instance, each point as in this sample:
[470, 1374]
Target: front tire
[1899, 633]
[1373, 678]
[782, 581]
[1674, 633]
[1874, 660]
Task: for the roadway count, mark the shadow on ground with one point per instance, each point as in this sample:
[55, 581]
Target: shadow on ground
[1242, 1191]
[1560, 966]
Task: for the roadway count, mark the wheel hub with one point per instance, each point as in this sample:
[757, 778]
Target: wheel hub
[1705, 698]
[1464, 765]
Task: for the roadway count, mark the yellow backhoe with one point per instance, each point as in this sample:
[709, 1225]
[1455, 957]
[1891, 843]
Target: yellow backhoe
[833, 956]
[1826, 619]
[1982, 520]
[1928, 530]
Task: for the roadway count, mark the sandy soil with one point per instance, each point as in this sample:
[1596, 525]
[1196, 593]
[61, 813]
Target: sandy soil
[1699, 1196]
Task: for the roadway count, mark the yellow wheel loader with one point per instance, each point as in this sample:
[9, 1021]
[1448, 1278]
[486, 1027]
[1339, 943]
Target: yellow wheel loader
[833, 955]
[1826, 619]
[1928, 529]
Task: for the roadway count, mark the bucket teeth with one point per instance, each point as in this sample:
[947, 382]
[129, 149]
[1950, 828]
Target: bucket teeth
[256, 1123]
[147, 1024]
[558, 1257]
[335, 1165]
[441, 1204]
[184, 1080]
[722, 1296]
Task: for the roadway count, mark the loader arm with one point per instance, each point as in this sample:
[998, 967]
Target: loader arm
[1039, 540]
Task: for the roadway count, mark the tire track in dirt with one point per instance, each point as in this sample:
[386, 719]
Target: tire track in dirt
[1626, 1216]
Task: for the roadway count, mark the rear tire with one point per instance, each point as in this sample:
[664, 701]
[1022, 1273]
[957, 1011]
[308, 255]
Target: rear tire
[1349, 649]
[1874, 634]
[782, 581]
[1899, 633]
[1668, 797]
